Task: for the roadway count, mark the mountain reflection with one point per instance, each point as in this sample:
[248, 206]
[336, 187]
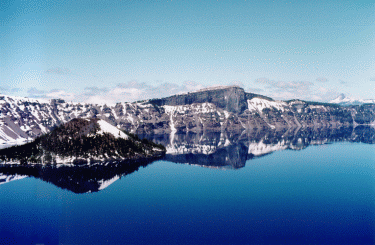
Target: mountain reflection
[208, 149]
[78, 179]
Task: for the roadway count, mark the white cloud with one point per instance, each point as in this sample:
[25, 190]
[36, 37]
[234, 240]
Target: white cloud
[135, 91]
[61, 94]
[304, 90]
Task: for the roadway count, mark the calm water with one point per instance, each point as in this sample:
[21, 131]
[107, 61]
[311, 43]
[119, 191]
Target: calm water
[323, 194]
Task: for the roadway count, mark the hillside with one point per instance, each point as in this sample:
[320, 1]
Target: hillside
[82, 141]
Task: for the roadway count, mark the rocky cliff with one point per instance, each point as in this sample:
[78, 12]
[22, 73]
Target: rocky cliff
[211, 110]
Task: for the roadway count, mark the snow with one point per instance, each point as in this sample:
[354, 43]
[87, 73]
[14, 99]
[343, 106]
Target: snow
[7, 178]
[10, 143]
[342, 99]
[227, 142]
[260, 148]
[173, 128]
[105, 127]
[13, 98]
[258, 104]
[177, 149]
[105, 183]
[191, 109]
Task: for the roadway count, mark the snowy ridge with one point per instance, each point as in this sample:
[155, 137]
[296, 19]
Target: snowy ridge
[9, 99]
[343, 100]
[218, 110]
[258, 104]
[22, 119]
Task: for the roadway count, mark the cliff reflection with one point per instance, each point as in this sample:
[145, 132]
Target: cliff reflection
[232, 150]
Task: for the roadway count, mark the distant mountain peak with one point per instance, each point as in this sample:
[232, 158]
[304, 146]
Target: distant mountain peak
[342, 99]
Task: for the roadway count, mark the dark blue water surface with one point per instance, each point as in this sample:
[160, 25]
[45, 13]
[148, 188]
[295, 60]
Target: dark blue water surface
[320, 195]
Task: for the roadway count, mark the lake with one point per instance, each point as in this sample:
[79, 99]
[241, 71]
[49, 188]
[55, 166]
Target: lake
[313, 194]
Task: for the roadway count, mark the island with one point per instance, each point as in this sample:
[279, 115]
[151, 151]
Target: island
[82, 141]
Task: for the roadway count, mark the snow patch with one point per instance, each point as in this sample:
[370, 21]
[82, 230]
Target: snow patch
[260, 148]
[258, 104]
[108, 128]
[105, 183]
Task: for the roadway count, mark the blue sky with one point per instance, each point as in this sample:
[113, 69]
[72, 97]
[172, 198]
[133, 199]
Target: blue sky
[110, 51]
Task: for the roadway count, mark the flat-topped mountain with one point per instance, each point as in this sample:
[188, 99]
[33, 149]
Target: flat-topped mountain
[229, 98]
[211, 110]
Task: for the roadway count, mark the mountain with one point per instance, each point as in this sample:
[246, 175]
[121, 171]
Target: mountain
[210, 110]
[345, 101]
[82, 141]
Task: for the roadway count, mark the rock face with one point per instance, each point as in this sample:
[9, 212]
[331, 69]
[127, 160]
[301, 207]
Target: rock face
[231, 99]
[210, 110]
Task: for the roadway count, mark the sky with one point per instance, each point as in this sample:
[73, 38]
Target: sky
[112, 51]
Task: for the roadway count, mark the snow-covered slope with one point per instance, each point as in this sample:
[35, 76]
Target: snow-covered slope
[105, 127]
[258, 104]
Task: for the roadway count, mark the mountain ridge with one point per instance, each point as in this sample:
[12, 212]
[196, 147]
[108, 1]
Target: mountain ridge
[212, 110]
[342, 99]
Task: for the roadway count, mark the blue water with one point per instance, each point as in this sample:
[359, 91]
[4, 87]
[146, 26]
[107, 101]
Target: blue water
[320, 195]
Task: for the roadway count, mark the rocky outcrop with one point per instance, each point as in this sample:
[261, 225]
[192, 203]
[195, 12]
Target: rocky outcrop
[231, 99]
[210, 110]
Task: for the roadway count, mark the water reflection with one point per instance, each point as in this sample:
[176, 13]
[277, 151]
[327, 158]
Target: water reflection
[213, 150]
[78, 179]
[232, 150]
